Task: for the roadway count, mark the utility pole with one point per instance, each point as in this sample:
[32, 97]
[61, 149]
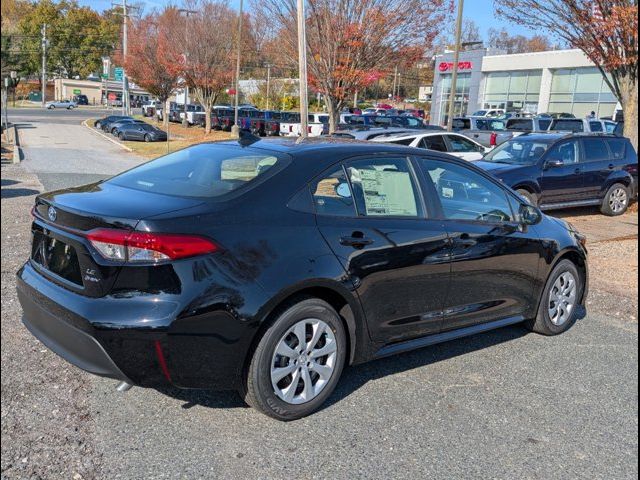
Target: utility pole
[395, 82]
[44, 64]
[186, 12]
[235, 130]
[456, 61]
[125, 90]
[268, 84]
[302, 66]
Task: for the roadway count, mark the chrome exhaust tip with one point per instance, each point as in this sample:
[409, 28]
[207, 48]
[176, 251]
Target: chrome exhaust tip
[124, 387]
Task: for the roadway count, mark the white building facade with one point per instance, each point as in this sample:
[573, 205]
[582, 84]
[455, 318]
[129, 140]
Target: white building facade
[561, 81]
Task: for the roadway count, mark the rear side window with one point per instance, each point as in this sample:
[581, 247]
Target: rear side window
[384, 188]
[595, 149]
[406, 141]
[203, 171]
[332, 195]
[434, 142]
[520, 124]
[618, 147]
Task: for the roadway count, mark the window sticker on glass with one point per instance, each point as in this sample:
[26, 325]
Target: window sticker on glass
[385, 192]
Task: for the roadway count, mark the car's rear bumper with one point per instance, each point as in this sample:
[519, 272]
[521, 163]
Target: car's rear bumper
[145, 340]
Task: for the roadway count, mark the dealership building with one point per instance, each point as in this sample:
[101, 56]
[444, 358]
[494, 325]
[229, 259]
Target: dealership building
[560, 81]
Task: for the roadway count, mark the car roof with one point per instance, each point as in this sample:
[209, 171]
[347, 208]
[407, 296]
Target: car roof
[326, 149]
[418, 134]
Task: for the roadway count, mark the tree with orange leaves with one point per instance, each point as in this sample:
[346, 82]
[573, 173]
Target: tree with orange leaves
[352, 42]
[146, 55]
[605, 30]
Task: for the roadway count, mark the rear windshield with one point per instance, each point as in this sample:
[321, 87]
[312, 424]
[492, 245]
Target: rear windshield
[568, 125]
[203, 171]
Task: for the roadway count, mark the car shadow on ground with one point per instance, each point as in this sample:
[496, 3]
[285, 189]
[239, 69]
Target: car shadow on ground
[18, 192]
[354, 377]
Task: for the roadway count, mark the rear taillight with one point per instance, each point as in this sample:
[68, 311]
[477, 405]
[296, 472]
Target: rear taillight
[494, 139]
[144, 247]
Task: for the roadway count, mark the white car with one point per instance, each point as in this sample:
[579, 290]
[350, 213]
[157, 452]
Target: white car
[318, 125]
[68, 104]
[489, 113]
[451, 143]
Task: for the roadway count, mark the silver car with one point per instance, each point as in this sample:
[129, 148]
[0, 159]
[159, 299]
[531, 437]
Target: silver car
[68, 104]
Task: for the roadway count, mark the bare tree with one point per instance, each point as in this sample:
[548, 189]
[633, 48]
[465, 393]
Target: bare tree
[352, 43]
[605, 30]
[201, 52]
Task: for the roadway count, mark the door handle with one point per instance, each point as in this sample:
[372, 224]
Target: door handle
[356, 240]
[611, 166]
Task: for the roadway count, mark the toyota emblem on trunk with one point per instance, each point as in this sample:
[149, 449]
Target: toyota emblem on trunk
[52, 214]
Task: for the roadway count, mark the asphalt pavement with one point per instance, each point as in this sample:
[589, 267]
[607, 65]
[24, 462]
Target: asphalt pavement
[507, 404]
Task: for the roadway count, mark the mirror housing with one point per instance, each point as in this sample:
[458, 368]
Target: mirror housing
[530, 215]
[343, 190]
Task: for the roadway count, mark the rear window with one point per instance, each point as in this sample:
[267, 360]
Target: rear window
[595, 149]
[203, 171]
[568, 125]
[618, 147]
[525, 124]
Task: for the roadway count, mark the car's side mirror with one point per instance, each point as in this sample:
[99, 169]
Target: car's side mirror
[553, 163]
[343, 190]
[530, 215]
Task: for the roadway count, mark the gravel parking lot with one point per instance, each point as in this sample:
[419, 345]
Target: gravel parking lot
[507, 404]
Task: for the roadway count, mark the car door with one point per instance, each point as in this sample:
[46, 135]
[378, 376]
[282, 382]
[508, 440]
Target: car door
[494, 260]
[598, 164]
[371, 213]
[463, 148]
[562, 177]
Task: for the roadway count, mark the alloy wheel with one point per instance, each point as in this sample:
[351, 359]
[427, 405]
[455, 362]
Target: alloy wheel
[304, 361]
[562, 298]
[618, 200]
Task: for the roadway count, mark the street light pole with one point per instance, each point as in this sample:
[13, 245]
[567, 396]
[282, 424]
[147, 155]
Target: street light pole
[44, 64]
[125, 93]
[302, 66]
[235, 130]
[456, 61]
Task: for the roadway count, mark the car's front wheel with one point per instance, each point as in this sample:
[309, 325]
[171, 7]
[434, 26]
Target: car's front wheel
[121, 136]
[297, 362]
[147, 138]
[558, 309]
[616, 200]
[528, 196]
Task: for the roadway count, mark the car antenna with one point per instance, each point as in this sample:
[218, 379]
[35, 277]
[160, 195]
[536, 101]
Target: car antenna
[247, 138]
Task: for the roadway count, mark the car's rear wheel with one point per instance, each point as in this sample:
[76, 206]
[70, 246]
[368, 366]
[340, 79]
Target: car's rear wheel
[147, 138]
[616, 200]
[528, 196]
[297, 362]
[558, 309]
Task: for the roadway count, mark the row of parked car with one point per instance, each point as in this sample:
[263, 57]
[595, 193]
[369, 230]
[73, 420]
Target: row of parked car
[128, 128]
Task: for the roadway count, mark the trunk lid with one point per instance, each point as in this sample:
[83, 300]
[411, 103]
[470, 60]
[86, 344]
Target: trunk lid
[60, 250]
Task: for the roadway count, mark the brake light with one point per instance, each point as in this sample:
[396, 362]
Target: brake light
[494, 139]
[126, 246]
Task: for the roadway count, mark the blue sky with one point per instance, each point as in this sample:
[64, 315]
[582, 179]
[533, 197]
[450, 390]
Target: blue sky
[480, 11]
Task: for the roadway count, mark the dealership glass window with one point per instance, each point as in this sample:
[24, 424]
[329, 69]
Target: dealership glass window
[463, 87]
[513, 90]
[581, 91]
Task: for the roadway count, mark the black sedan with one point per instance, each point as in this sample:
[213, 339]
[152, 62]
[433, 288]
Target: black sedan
[556, 170]
[269, 266]
[103, 123]
[141, 131]
[114, 127]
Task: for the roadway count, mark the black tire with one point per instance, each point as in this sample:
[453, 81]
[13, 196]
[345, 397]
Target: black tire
[114, 131]
[616, 200]
[52, 107]
[147, 138]
[542, 323]
[121, 136]
[532, 198]
[258, 390]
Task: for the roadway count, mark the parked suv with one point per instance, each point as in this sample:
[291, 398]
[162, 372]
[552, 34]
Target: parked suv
[559, 170]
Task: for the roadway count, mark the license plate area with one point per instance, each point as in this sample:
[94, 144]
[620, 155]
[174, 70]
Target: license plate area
[56, 256]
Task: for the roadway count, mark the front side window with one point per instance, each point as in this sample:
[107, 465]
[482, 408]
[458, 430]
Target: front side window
[202, 171]
[384, 188]
[332, 195]
[567, 152]
[467, 195]
[461, 145]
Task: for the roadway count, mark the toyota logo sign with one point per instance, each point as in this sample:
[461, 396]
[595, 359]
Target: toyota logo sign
[446, 66]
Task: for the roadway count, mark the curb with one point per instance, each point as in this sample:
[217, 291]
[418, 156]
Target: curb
[106, 137]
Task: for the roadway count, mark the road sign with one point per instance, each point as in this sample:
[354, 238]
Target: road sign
[77, 91]
[118, 73]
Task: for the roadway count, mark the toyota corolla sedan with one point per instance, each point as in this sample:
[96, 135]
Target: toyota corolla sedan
[268, 266]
